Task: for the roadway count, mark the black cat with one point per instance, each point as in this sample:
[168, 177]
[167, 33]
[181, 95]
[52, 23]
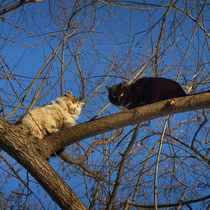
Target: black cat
[144, 91]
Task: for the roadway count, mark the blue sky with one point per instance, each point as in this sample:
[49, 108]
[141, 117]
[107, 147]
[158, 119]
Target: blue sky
[118, 44]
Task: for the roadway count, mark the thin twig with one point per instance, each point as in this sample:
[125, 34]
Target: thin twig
[157, 163]
[121, 168]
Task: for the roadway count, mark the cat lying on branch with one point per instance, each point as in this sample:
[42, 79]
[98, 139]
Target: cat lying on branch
[144, 91]
[62, 113]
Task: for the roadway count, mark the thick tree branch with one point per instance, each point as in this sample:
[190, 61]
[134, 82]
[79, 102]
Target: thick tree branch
[128, 117]
[16, 5]
[27, 151]
[23, 150]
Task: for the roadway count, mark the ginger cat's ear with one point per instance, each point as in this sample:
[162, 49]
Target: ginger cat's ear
[68, 94]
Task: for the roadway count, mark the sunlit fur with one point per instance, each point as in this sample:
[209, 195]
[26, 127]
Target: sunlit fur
[62, 113]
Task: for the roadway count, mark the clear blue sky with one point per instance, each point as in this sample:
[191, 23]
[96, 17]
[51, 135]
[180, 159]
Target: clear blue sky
[120, 38]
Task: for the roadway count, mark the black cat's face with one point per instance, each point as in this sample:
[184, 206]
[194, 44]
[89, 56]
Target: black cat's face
[118, 94]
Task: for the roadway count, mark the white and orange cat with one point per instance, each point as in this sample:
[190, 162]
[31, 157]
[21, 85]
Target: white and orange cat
[62, 113]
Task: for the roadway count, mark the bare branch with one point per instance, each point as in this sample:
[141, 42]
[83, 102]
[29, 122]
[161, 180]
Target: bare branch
[121, 168]
[169, 204]
[16, 5]
[128, 117]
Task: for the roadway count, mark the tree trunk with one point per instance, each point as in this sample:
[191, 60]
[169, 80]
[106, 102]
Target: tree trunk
[31, 153]
[23, 150]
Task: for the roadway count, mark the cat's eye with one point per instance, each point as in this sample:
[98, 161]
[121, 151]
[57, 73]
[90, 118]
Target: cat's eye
[122, 94]
[114, 96]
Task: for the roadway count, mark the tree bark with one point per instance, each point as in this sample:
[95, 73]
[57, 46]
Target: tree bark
[23, 149]
[128, 117]
[31, 153]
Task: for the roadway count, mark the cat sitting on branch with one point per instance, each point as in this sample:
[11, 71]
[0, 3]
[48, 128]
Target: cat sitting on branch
[144, 91]
[62, 113]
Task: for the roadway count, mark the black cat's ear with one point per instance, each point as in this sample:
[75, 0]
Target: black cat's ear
[123, 84]
[108, 88]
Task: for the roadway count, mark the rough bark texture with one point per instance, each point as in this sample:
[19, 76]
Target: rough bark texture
[128, 117]
[30, 153]
[23, 150]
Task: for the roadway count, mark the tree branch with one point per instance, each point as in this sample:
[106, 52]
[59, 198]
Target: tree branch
[121, 168]
[27, 150]
[22, 149]
[161, 35]
[167, 204]
[16, 5]
[129, 117]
